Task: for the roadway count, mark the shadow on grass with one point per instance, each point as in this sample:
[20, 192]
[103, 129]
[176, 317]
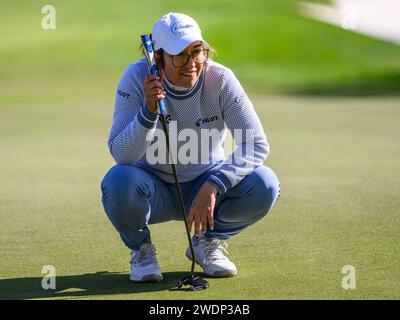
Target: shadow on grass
[85, 285]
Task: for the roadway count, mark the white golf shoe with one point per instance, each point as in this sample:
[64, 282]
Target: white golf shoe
[209, 254]
[144, 265]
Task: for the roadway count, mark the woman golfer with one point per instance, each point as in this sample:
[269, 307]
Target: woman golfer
[222, 196]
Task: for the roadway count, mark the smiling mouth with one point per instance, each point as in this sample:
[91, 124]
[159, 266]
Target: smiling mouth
[189, 74]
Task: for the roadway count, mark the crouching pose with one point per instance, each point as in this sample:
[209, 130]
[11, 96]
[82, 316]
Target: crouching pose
[223, 196]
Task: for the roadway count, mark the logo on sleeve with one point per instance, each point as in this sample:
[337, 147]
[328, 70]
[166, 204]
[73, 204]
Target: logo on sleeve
[240, 98]
[123, 94]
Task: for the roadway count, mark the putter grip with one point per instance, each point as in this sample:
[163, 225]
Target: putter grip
[151, 62]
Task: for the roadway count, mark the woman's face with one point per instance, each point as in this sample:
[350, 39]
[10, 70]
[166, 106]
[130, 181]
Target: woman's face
[184, 75]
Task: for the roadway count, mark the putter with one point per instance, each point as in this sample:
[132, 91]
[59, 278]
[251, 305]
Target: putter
[195, 282]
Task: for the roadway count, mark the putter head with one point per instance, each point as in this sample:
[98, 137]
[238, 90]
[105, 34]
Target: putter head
[195, 283]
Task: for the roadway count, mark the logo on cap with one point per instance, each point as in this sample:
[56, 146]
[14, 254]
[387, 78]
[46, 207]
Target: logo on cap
[178, 26]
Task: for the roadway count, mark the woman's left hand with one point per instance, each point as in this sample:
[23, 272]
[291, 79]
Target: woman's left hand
[202, 209]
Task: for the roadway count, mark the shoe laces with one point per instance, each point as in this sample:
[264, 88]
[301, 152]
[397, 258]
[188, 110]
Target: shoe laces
[214, 249]
[145, 255]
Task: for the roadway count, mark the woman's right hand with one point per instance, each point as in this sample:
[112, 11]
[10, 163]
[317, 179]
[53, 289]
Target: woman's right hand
[153, 91]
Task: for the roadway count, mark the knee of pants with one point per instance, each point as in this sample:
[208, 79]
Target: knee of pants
[265, 188]
[120, 189]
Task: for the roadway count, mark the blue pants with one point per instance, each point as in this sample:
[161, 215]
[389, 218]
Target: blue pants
[133, 198]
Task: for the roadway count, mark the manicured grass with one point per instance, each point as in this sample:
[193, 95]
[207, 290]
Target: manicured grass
[337, 160]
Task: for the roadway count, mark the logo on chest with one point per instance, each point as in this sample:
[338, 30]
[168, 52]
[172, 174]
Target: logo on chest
[200, 122]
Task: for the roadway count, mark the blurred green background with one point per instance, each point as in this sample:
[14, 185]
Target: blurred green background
[328, 100]
[267, 43]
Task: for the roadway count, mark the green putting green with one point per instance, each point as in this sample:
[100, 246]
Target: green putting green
[337, 158]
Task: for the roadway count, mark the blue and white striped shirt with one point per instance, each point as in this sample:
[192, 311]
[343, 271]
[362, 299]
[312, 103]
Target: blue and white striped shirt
[217, 101]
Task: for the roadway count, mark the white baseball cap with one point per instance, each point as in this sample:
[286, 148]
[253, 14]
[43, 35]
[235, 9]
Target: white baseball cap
[174, 32]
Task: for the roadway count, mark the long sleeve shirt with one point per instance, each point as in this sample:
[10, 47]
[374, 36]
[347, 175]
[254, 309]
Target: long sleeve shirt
[215, 103]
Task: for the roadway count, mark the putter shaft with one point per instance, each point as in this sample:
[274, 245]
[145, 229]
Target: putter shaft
[178, 188]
